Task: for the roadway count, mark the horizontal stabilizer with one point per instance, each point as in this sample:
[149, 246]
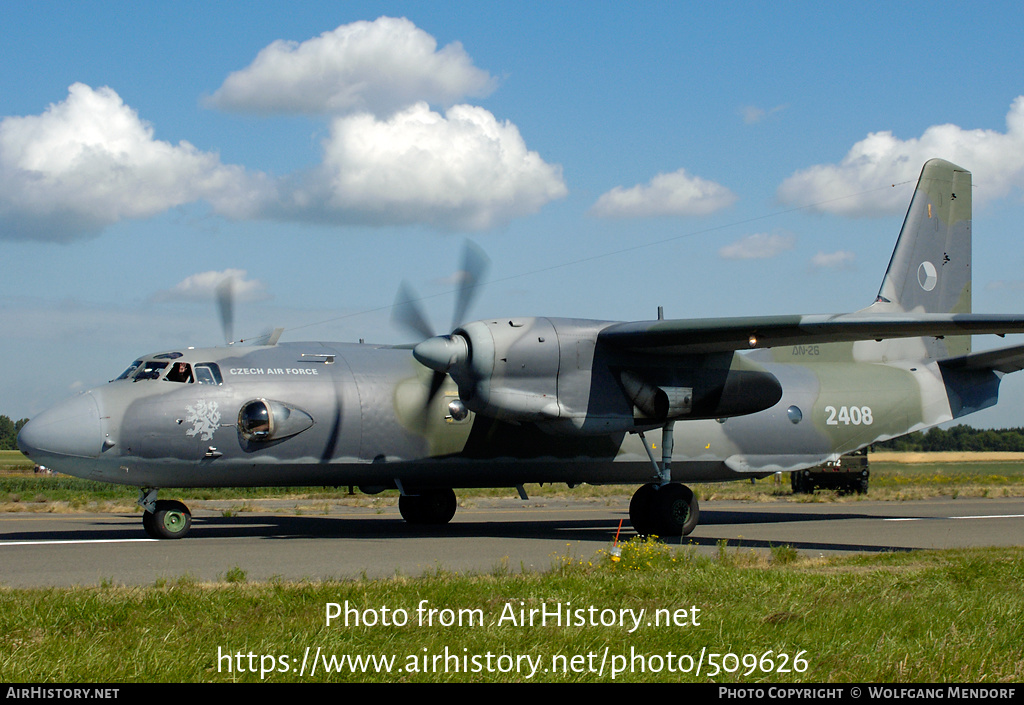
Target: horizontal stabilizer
[1004, 360]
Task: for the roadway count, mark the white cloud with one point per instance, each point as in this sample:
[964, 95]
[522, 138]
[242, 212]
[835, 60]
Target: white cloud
[89, 161]
[389, 159]
[841, 259]
[378, 66]
[752, 114]
[675, 194]
[858, 185]
[463, 170]
[758, 246]
[1005, 285]
[202, 287]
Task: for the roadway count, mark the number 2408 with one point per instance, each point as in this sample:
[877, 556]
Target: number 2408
[847, 415]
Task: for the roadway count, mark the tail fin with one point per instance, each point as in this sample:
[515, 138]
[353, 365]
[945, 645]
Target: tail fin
[930, 269]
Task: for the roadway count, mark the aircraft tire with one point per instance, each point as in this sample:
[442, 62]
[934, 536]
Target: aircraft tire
[676, 509]
[169, 520]
[429, 508]
[641, 509]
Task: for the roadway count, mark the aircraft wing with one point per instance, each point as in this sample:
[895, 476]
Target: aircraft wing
[710, 335]
[1004, 360]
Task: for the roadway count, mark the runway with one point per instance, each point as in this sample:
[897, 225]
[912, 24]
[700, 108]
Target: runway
[344, 542]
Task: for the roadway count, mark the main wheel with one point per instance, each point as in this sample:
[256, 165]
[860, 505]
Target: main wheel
[169, 520]
[676, 509]
[429, 507]
[641, 509]
[664, 510]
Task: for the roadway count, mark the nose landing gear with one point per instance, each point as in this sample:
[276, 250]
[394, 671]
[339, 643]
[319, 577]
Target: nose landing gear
[165, 518]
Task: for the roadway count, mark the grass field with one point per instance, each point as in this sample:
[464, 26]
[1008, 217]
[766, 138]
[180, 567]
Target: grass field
[955, 616]
[894, 477]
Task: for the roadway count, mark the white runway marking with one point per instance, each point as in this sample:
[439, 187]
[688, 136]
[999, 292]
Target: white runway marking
[70, 541]
[976, 516]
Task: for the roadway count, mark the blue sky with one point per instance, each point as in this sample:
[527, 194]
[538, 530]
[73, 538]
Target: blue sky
[712, 158]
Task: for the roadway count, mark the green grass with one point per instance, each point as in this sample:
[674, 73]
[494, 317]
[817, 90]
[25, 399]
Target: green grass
[20, 490]
[992, 474]
[954, 616]
[14, 461]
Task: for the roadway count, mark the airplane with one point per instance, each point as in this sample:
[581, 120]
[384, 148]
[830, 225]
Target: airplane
[500, 402]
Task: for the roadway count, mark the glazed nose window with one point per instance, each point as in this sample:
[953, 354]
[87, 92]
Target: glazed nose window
[254, 421]
[265, 420]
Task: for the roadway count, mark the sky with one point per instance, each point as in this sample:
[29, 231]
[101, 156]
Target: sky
[716, 159]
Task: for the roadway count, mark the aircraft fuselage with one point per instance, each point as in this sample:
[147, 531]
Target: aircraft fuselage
[357, 414]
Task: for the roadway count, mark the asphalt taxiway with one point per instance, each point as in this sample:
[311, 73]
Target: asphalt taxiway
[335, 541]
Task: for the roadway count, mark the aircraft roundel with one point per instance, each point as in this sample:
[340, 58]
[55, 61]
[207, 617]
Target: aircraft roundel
[927, 277]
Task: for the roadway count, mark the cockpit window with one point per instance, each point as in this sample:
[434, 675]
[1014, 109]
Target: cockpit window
[180, 372]
[151, 369]
[131, 369]
[208, 373]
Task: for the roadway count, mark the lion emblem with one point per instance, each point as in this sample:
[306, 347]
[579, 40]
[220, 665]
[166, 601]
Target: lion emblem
[204, 417]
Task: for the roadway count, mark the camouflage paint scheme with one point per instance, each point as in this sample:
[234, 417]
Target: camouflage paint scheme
[561, 400]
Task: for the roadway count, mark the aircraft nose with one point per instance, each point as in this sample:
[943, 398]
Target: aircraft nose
[72, 428]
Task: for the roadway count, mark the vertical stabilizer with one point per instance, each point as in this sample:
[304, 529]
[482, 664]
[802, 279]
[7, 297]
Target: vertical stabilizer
[930, 269]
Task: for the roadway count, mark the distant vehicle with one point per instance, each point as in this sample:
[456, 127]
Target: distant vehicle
[849, 473]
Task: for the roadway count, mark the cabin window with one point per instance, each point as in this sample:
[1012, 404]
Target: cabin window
[208, 373]
[794, 414]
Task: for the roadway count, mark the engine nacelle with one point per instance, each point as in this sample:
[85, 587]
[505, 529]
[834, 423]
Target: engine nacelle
[551, 372]
[511, 370]
[666, 402]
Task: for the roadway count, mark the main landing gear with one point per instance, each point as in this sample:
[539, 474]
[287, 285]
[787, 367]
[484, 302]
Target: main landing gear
[664, 510]
[432, 507]
[165, 518]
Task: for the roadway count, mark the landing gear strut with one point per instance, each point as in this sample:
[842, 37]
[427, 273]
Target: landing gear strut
[165, 518]
[664, 510]
[429, 507]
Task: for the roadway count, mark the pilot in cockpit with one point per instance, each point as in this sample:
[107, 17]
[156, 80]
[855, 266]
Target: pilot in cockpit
[181, 372]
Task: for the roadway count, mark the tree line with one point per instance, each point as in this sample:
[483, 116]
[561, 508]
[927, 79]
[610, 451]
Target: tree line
[958, 438]
[9, 432]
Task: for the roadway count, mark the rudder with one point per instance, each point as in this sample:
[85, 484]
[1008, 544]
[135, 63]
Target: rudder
[930, 269]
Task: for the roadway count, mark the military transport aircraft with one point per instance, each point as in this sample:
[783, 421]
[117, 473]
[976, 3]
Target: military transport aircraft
[500, 402]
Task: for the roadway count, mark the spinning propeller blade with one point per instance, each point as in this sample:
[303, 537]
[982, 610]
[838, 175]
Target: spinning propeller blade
[474, 266]
[408, 312]
[226, 307]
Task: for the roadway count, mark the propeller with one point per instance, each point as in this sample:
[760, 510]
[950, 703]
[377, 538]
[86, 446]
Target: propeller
[226, 307]
[440, 352]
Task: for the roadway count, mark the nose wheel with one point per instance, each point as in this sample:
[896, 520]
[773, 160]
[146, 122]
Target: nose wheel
[165, 518]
